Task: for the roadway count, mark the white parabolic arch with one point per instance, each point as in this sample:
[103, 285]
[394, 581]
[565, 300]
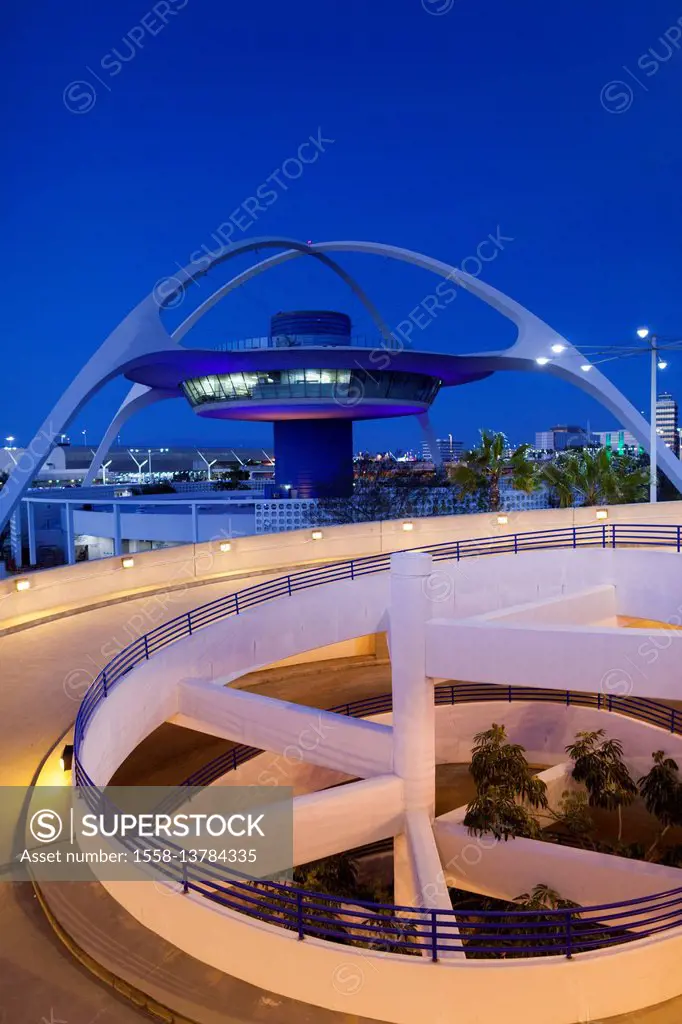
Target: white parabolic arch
[142, 332]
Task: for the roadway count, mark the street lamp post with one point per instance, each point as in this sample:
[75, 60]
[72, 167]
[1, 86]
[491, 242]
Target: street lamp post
[140, 465]
[653, 455]
[656, 365]
[208, 465]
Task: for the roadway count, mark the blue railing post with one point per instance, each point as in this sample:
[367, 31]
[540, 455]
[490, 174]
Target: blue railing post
[509, 689]
[236, 603]
[568, 698]
[146, 646]
[352, 569]
[679, 536]
[189, 623]
[289, 585]
[434, 935]
[104, 682]
[516, 543]
[575, 538]
[299, 915]
[672, 719]
[613, 535]
[603, 536]
[609, 697]
[452, 694]
[185, 880]
[457, 550]
[598, 701]
[569, 935]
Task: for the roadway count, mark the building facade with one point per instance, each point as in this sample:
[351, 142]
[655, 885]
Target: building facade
[618, 440]
[449, 449]
[561, 438]
[666, 421]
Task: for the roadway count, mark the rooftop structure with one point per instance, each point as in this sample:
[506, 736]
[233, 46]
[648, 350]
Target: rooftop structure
[142, 350]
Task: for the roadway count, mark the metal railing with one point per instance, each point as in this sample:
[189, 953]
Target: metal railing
[410, 930]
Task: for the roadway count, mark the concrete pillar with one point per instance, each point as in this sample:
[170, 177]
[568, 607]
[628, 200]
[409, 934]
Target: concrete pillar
[118, 543]
[15, 538]
[70, 536]
[31, 519]
[195, 523]
[414, 753]
[405, 888]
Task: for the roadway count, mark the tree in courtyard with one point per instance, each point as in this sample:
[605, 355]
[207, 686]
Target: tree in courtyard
[598, 763]
[661, 790]
[543, 898]
[335, 876]
[480, 471]
[589, 477]
[573, 813]
[504, 783]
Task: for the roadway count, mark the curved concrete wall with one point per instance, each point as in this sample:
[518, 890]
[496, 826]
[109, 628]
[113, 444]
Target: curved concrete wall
[78, 586]
[401, 989]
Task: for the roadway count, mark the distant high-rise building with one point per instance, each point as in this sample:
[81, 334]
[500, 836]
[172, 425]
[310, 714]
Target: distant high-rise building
[450, 450]
[558, 439]
[618, 440]
[666, 421]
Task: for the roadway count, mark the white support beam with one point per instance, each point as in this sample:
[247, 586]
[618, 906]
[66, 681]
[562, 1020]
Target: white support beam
[70, 534]
[557, 657]
[31, 519]
[413, 708]
[432, 890]
[345, 817]
[328, 740]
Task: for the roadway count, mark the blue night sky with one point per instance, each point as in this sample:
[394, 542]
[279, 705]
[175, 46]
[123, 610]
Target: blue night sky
[450, 121]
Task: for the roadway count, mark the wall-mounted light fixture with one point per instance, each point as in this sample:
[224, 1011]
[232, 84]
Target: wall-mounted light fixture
[22, 584]
[127, 563]
[316, 535]
[226, 546]
[408, 526]
[502, 520]
[602, 513]
[66, 760]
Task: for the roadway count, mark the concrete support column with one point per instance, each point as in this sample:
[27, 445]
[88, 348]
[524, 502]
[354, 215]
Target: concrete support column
[195, 523]
[413, 710]
[70, 536]
[15, 538]
[118, 543]
[31, 519]
[405, 887]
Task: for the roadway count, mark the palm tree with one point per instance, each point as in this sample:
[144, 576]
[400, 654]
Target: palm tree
[480, 470]
[661, 791]
[598, 763]
[595, 478]
[504, 779]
